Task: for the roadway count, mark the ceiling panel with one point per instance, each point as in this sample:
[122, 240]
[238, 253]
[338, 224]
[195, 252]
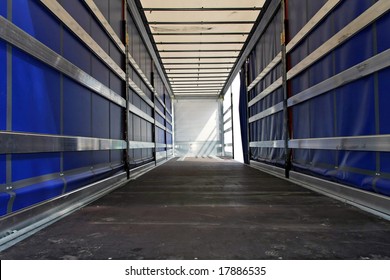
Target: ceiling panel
[199, 75]
[178, 83]
[197, 46]
[198, 70]
[202, 16]
[181, 79]
[198, 60]
[198, 54]
[199, 40]
[198, 91]
[200, 84]
[202, 3]
[204, 87]
[195, 66]
[200, 28]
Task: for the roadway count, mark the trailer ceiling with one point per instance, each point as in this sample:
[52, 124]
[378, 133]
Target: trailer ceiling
[200, 40]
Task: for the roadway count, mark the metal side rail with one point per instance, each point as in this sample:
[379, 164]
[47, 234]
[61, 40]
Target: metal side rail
[20, 225]
[141, 170]
[376, 204]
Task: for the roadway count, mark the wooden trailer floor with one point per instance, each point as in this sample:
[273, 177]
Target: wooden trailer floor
[209, 209]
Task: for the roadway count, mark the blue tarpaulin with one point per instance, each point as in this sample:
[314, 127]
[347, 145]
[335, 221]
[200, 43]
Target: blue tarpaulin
[358, 108]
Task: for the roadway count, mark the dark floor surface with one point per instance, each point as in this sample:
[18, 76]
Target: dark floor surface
[208, 209]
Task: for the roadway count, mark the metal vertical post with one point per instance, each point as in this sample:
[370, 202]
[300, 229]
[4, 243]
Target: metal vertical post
[165, 120]
[9, 78]
[248, 155]
[154, 130]
[173, 125]
[232, 119]
[126, 117]
[221, 126]
[284, 38]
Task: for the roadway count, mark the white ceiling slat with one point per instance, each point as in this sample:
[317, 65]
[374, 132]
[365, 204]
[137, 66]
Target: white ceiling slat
[200, 93]
[198, 60]
[177, 79]
[195, 78]
[204, 80]
[197, 82]
[204, 84]
[196, 66]
[203, 28]
[200, 38]
[200, 83]
[201, 70]
[198, 75]
[197, 46]
[198, 54]
[199, 86]
[204, 16]
[197, 89]
[202, 3]
[213, 91]
[194, 95]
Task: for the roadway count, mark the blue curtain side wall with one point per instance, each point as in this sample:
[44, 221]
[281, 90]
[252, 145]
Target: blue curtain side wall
[358, 108]
[269, 128]
[3, 86]
[46, 102]
[4, 199]
[3, 112]
[77, 115]
[26, 166]
[383, 43]
[36, 193]
[140, 130]
[349, 110]
[382, 26]
[3, 90]
[75, 52]
[38, 22]
[35, 95]
[3, 9]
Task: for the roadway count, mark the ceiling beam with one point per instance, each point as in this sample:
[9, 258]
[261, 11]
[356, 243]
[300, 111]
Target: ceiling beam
[192, 67]
[199, 72]
[200, 34]
[196, 63]
[197, 83]
[198, 22]
[196, 86]
[175, 85]
[202, 9]
[182, 79]
[196, 57]
[169, 70]
[202, 43]
[214, 77]
[195, 96]
[185, 51]
[215, 91]
[178, 82]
